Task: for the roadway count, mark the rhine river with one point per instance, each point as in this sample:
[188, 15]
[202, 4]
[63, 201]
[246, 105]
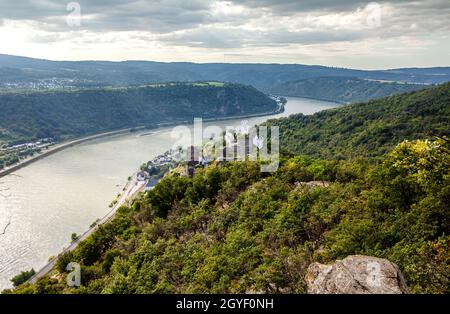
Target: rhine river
[65, 193]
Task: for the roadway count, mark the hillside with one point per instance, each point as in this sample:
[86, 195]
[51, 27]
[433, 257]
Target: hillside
[22, 72]
[367, 129]
[343, 89]
[65, 114]
[233, 229]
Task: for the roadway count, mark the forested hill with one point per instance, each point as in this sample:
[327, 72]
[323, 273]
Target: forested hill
[367, 129]
[33, 115]
[343, 89]
[233, 229]
[22, 72]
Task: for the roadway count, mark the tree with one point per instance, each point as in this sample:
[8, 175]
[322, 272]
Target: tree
[22, 277]
[64, 260]
[74, 237]
[166, 194]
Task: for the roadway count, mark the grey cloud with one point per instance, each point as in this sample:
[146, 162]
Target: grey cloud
[291, 6]
[153, 16]
[115, 15]
[236, 38]
[208, 38]
[287, 7]
[192, 23]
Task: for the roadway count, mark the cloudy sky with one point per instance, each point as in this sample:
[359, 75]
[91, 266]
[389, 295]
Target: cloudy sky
[348, 33]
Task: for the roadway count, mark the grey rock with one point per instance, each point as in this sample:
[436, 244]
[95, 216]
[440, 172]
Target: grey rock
[356, 274]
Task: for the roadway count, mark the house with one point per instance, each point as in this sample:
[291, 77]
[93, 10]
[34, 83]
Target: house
[152, 170]
[151, 184]
[142, 176]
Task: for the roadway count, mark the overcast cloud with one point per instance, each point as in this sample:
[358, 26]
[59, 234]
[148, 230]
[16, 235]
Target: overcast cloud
[348, 33]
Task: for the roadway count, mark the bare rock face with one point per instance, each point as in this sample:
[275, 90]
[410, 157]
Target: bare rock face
[356, 274]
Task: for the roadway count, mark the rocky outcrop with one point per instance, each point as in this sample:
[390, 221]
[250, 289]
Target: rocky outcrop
[356, 274]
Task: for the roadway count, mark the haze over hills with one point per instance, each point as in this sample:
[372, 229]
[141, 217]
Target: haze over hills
[26, 72]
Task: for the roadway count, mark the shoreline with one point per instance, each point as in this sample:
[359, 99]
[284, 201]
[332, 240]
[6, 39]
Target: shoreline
[62, 146]
[59, 147]
[319, 99]
[131, 189]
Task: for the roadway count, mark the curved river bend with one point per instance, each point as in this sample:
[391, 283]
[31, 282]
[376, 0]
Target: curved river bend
[64, 193]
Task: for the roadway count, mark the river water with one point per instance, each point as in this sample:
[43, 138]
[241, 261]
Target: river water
[64, 193]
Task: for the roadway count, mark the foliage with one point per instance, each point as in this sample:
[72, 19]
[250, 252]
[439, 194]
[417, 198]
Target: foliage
[32, 115]
[231, 230]
[63, 260]
[22, 277]
[343, 89]
[367, 129]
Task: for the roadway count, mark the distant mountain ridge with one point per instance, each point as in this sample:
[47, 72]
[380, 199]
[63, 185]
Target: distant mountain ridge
[26, 72]
[343, 89]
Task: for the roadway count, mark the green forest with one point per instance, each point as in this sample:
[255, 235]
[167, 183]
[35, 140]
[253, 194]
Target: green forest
[370, 178]
[66, 114]
[343, 89]
[367, 129]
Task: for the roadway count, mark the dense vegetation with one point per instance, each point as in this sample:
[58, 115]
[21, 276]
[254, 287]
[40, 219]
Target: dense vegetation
[22, 277]
[59, 114]
[367, 129]
[234, 229]
[343, 89]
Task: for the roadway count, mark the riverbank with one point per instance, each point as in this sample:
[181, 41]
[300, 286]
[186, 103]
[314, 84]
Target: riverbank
[62, 146]
[131, 189]
[66, 192]
[319, 99]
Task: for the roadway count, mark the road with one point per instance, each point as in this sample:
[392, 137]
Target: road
[131, 189]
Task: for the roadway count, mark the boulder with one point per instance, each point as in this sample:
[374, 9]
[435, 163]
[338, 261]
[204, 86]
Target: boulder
[356, 274]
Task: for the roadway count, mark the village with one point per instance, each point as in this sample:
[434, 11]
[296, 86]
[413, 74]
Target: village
[40, 144]
[186, 161]
[14, 154]
[154, 170]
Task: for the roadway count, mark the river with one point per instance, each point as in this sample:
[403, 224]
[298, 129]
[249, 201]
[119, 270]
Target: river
[64, 193]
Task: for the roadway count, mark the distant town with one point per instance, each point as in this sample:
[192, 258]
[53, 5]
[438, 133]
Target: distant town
[13, 154]
[189, 159]
[42, 143]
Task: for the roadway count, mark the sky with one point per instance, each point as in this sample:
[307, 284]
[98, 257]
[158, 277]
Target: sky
[349, 33]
